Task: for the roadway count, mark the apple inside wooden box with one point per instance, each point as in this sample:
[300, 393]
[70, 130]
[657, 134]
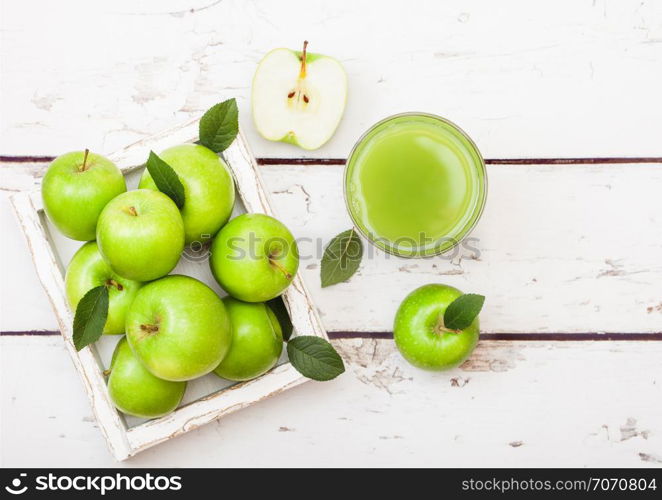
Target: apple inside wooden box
[206, 398]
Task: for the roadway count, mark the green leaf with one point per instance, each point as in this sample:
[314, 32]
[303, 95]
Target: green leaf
[315, 358]
[219, 126]
[462, 311]
[90, 317]
[278, 307]
[342, 258]
[165, 179]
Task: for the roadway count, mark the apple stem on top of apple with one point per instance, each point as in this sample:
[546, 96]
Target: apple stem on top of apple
[300, 93]
[83, 167]
[132, 211]
[302, 74]
[149, 329]
[440, 327]
[111, 282]
[274, 262]
[274, 253]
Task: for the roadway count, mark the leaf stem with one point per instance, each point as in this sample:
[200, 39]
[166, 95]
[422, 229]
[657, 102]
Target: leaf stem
[349, 239]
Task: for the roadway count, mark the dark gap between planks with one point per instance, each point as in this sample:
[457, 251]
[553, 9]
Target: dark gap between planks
[488, 161]
[546, 337]
[543, 337]
[341, 161]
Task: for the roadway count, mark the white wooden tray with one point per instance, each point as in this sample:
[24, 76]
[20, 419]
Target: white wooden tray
[208, 399]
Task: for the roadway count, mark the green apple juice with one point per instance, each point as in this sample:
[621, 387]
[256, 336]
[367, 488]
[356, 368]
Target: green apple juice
[415, 185]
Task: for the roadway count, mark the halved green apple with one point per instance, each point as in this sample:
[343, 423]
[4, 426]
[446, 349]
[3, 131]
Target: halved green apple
[298, 97]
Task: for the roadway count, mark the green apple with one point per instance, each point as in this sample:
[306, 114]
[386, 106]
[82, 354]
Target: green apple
[141, 234]
[298, 97]
[75, 189]
[419, 331]
[88, 270]
[135, 391]
[254, 257]
[257, 340]
[179, 328]
[208, 189]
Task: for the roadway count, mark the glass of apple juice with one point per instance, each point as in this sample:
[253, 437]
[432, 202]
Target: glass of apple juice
[415, 185]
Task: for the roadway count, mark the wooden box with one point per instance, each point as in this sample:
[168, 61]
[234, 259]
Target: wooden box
[208, 398]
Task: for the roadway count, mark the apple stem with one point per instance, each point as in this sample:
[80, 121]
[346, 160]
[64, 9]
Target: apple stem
[112, 282]
[278, 266]
[302, 74]
[149, 328]
[132, 211]
[106, 373]
[83, 167]
[440, 327]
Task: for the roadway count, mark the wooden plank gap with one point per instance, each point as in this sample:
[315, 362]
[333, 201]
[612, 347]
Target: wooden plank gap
[30, 333]
[543, 337]
[488, 161]
[341, 161]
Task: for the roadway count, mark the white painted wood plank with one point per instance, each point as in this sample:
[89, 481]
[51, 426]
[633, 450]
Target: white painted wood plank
[558, 249]
[524, 79]
[513, 404]
[562, 249]
[23, 302]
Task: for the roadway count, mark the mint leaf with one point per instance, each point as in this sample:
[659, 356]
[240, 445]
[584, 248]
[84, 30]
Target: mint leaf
[278, 307]
[165, 179]
[90, 317]
[462, 311]
[341, 258]
[219, 126]
[315, 358]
